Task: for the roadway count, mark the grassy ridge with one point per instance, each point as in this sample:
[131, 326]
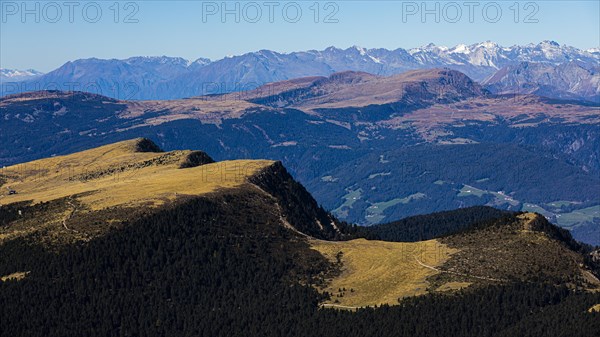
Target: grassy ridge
[87, 192]
[118, 174]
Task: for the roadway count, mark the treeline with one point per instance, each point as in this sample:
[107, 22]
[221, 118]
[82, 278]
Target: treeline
[224, 266]
[430, 226]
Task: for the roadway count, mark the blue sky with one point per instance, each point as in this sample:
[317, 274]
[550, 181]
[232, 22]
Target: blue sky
[193, 29]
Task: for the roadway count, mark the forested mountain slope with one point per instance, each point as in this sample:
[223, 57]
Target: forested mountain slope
[171, 243]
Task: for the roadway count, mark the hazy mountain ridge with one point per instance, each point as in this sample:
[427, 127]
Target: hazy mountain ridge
[172, 78]
[572, 80]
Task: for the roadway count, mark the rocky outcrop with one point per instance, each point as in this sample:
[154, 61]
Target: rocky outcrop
[296, 203]
[146, 145]
[194, 159]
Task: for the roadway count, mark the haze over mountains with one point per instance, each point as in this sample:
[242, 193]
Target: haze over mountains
[172, 78]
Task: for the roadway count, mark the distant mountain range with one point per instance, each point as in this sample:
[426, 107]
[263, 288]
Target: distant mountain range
[12, 75]
[148, 78]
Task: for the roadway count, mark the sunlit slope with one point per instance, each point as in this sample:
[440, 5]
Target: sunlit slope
[120, 174]
[110, 183]
[378, 272]
[517, 248]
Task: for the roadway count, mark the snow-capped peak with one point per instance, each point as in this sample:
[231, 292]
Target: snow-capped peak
[461, 49]
[362, 51]
[434, 47]
[488, 44]
[430, 47]
[200, 62]
[593, 50]
[18, 75]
